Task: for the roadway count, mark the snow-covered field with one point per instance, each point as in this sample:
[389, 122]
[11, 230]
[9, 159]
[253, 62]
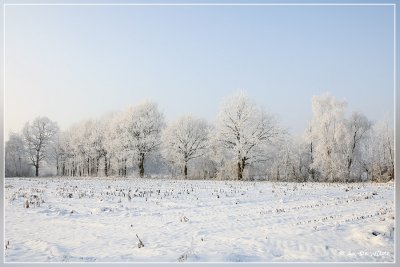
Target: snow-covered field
[98, 219]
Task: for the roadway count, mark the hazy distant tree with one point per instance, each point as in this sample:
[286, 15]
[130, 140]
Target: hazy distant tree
[357, 128]
[69, 161]
[38, 136]
[244, 130]
[289, 160]
[388, 147]
[117, 144]
[56, 152]
[97, 149]
[377, 152]
[184, 140]
[203, 167]
[108, 141]
[15, 157]
[80, 142]
[284, 162]
[141, 131]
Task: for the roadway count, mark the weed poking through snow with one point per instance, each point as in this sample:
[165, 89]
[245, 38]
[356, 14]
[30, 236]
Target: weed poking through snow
[140, 244]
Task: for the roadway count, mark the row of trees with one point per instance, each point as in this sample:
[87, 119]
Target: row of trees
[336, 147]
[245, 142]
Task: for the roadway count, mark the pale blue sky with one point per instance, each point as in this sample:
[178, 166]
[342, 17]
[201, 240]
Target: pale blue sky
[75, 62]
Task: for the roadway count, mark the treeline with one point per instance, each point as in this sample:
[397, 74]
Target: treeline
[245, 142]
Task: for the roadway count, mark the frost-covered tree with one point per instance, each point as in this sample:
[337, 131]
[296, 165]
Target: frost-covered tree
[141, 127]
[184, 140]
[15, 157]
[244, 130]
[75, 145]
[329, 131]
[57, 153]
[377, 153]
[337, 141]
[309, 153]
[84, 148]
[388, 147]
[68, 147]
[109, 142]
[38, 136]
[116, 145]
[97, 149]
[289, 161]
[81, 147]
[357, 128]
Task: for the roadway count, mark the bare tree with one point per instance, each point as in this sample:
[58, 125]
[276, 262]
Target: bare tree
[38, 136]
[184, 140]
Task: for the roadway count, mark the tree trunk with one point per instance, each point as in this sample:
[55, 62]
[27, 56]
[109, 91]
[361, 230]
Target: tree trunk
[20, 166]
[185, 170]
[391, 174]
[92, 170]
[141, 165]
[243, 165]
[98, 166]
[125, 167]
[312, 161]
[109, 166]
[88, 167]
[37, 164]
[105, 166]
[349, 163]
[119, 168]
[239, 171]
